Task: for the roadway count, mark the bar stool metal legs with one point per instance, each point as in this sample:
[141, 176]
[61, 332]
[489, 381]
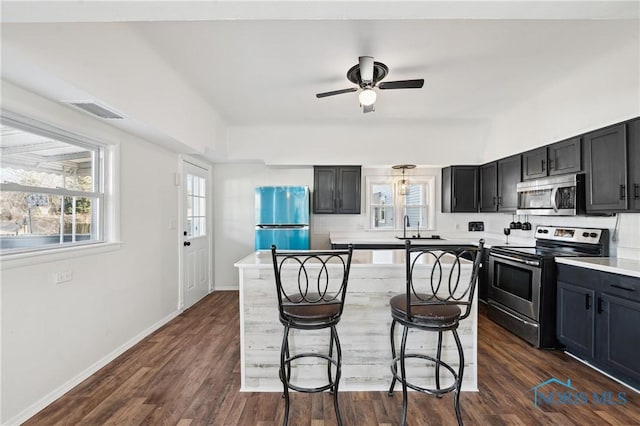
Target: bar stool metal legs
[333, 382]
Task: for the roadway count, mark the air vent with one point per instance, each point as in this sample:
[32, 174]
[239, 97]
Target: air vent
[95, 109]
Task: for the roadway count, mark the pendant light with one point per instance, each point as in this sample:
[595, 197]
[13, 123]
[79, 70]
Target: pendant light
[404, 183]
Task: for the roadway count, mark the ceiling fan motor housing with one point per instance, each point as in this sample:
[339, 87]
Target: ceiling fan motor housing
[380, 71]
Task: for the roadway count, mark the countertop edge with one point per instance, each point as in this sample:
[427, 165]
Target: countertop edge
[629, 267]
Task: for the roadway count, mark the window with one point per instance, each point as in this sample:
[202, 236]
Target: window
[388, 207]
[196, 206]
[51, 187]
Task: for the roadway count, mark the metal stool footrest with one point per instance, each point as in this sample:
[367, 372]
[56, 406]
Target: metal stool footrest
[330, 385]
[430, 391]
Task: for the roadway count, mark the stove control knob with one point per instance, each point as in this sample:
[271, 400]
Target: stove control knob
[593, 235]
[546, 231]
[585, 234]
[539, 231]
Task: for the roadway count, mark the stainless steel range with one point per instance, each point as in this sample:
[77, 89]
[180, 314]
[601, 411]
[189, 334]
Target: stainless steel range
[522, 280]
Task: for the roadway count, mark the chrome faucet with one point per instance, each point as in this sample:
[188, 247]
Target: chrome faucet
[405, 225]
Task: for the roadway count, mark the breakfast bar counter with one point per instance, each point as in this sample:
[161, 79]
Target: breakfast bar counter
[375, 277]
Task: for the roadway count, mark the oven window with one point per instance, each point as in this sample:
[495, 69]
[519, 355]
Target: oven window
[514, 280]
[535, 199]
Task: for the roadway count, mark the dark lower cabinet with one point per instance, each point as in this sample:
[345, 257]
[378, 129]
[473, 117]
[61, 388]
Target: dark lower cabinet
[575, 319]
[598, 317]
[618, 336]
[336, 189]
[460, 189]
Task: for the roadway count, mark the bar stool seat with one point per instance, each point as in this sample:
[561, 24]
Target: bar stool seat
[439, 315]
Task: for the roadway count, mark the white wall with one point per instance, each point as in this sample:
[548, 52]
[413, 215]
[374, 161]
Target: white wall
[606, 92]
[53, 335]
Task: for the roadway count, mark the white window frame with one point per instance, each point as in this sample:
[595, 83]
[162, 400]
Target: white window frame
[429, 185]
[104, 182]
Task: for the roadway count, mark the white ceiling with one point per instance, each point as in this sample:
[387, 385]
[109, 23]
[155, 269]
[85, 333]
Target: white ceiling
[261, 63]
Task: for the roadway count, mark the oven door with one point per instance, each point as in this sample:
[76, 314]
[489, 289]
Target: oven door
[515, 283]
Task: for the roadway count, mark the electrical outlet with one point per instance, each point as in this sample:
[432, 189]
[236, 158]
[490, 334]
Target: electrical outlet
[62, 277]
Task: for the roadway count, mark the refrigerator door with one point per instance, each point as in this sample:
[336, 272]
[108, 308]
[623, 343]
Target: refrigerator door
[285, 238]
[282, 205]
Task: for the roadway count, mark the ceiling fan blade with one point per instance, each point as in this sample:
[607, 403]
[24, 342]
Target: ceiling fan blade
[336, 92]
[402, 84]
[366, 68]
[368, 108]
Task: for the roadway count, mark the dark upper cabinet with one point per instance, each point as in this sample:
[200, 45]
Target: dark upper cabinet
[489, 187]
[460, 189]
[555, 159]
[633, 145]
[605, 161]
[564, 157]
[534, 163]
[336, 189]
[509, 174]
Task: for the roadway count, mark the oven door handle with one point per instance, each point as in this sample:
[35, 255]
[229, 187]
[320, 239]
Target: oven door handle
[515, 259]
[554, 202]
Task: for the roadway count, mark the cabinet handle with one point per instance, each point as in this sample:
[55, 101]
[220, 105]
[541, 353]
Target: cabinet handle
[587, 301]
[622, 192]
[636, 191]
[542, 164]
[494, 201]
[599, 305]
[455, 201]
[621, 287]
[550, 164]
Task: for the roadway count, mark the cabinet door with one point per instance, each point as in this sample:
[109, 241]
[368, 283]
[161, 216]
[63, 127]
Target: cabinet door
[534, 164]
[565, 157]
[618, 335]
[605, 158]
[489, 187]
[633, 145]
[509, 174]
[324, 191]
[465, 189]
[348, 196]
[575, 319]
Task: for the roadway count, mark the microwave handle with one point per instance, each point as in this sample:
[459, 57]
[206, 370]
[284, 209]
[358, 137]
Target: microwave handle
[554, 203]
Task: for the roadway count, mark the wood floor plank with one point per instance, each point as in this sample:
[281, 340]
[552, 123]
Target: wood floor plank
[188, 373]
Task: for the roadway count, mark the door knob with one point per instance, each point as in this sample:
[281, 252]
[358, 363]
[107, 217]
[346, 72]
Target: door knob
[187, 243]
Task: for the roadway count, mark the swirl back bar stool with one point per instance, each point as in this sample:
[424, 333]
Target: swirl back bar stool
[439, 294]
[311, 288]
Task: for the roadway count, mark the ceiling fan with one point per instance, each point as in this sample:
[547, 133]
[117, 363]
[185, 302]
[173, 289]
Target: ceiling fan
[367, 75]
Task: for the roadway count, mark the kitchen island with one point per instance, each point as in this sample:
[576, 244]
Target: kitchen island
[375, 276]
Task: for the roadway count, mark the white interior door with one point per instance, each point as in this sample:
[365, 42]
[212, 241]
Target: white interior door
[196, 258]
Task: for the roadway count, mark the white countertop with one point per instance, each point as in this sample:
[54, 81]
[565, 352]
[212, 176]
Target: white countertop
[615, 265]
[447, 239]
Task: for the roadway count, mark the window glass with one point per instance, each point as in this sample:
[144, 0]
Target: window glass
[48, 188]
[391, 202]
[196, 206]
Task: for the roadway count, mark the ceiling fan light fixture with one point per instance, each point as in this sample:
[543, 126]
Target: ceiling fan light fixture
[367, 97]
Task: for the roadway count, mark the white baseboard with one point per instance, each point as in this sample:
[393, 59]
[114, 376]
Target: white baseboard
[226, 288]
[36, 407]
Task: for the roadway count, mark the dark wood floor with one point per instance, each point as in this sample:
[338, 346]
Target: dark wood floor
[188, 373]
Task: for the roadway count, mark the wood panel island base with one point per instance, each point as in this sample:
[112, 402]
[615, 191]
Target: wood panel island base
[375, 277]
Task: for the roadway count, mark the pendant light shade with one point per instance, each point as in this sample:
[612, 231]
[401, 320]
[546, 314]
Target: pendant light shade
[404, 183]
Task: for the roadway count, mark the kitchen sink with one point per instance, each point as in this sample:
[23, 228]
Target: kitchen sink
[413, 237]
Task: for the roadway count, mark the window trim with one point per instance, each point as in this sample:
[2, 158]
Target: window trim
[429, 182]
[105, 181]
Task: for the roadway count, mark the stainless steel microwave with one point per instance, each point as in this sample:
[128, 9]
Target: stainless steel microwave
[552, 196]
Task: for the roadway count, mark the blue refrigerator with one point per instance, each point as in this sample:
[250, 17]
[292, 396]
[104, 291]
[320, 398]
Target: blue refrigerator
[282, 217]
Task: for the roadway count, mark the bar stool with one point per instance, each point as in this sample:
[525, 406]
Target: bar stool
[311, 287]
[438, 295]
